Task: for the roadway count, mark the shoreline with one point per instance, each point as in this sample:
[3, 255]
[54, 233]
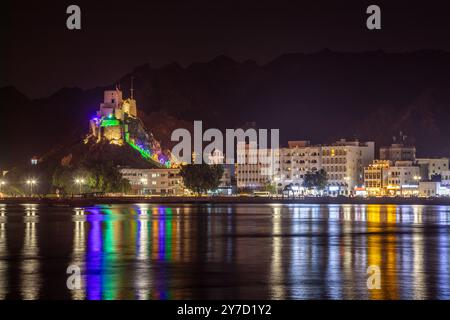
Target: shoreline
[86, 202]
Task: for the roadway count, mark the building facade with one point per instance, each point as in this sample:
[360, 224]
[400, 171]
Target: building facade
[433, 166]
[376, 177]
[256, 169]
[298, 159]
[429, 189]
[154, 181]
[398, 152]
[403, 179]
[445, 178]
[344, 162]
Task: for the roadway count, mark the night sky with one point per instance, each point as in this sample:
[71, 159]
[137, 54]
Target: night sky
[40, 55]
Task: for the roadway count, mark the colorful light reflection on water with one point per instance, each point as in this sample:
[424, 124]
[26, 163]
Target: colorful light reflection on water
[226, 251]
[108, 230]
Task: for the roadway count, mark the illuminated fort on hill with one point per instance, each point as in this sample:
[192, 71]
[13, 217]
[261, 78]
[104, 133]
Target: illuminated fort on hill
[117, 122]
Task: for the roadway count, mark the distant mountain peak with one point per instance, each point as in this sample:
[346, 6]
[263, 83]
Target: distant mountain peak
[173, 66]
[223, 60]
[12, 92]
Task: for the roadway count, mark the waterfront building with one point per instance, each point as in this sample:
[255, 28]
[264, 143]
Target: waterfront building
[161, 181]
[445, 178]
[403, 179]
[433, 189]
[285, 166]
[432, 166]
[167, 181]
[376, 177]
[429, 189]
[298, 159]
[256, 169]
[344, 161]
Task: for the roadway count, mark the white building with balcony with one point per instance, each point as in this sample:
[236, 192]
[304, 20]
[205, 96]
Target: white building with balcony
[295, 161]
[344, 161]
[256, 169]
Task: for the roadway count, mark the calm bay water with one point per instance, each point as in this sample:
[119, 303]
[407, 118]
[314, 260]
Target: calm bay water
[225, 251]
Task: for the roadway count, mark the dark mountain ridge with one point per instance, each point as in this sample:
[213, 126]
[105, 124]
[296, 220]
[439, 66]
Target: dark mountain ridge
[321, 96]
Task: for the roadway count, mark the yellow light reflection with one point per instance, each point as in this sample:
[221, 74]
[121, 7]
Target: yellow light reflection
[381, 249]
[419, 251]
[276, 270]
[30, 278]
[78, 252]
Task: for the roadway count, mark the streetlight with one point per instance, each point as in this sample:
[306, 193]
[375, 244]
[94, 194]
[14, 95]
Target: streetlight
[2, 183]
[31, 183]
[80, 183]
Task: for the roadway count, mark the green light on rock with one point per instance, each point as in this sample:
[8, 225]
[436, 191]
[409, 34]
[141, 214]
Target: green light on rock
[110, 123]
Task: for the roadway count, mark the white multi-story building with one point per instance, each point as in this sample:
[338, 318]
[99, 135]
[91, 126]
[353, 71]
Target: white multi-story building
[344, 162]
[445, 178]
[154, 181]
[255, 169]
[429, 189]
[403, 178]
[433, 189]
[433, 166]
[295, 161]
